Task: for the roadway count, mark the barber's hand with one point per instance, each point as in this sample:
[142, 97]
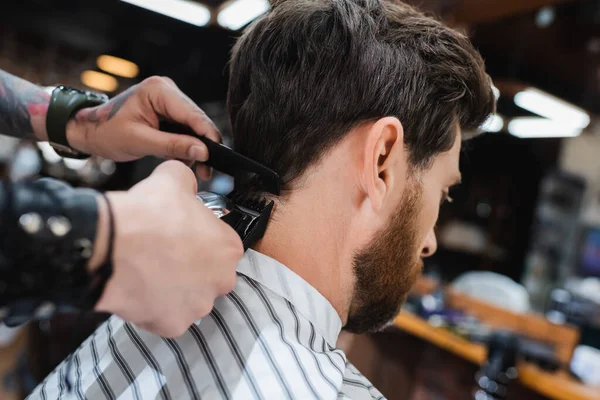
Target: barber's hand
[172, 256]
[126, 128]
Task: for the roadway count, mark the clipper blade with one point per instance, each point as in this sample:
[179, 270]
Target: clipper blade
[250, 201]
[250, 216]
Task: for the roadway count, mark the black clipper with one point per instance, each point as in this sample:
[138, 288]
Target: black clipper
[247, 214]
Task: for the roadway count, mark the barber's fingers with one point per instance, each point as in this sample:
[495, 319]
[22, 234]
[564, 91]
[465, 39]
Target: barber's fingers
[169, 81]
[172, 146]
[169, 330]
[170, 102]
[203, 171]
[178, 173]
[150, 141]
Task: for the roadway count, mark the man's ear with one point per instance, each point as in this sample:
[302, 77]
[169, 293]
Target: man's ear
[385, 160]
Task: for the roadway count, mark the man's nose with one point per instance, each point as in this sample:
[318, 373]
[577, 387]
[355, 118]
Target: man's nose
[430, 244]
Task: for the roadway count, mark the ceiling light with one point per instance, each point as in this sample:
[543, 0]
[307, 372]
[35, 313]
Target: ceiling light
[99, 80]
[117, 66]
[187, 11]
[239, 13]
[551, 107]
[494, 123]
[534, 127]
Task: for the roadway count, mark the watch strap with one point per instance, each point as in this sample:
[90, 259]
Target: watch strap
[64, 103]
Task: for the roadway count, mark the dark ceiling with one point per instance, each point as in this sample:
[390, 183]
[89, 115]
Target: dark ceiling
[562, 58]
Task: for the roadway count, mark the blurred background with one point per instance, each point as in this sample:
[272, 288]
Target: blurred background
[513, 293]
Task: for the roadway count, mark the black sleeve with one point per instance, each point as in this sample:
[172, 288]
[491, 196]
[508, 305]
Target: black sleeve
[47, 231]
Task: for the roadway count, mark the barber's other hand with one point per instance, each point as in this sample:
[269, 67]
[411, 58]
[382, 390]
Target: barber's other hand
[126, 128]
[172, 256]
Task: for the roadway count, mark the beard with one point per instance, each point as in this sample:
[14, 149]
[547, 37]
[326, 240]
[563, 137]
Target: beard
[386, 269]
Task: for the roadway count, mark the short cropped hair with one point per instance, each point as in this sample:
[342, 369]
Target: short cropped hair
[307, 72]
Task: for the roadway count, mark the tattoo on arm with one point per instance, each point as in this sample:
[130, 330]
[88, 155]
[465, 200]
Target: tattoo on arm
[104, 112]
[23, 108]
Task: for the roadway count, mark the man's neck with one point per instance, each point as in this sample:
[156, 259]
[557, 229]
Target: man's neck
[309, 241]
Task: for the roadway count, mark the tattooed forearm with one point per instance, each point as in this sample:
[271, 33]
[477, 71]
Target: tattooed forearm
[23, 108]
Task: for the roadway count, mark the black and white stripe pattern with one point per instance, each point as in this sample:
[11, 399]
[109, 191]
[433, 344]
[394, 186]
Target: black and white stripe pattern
[100, 378]
[273, 337]
[150, 359]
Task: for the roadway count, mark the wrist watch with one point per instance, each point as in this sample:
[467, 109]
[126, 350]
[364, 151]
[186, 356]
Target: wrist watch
[64, 103]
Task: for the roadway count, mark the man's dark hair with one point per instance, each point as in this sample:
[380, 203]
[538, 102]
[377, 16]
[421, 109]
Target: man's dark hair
[307, 72]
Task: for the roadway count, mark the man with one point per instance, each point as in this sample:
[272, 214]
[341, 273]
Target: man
[359, 105]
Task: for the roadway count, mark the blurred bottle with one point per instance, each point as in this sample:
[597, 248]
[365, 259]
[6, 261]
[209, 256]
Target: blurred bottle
[548, 263]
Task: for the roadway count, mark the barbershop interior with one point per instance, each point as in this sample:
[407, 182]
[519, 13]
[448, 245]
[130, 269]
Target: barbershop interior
[509, 305]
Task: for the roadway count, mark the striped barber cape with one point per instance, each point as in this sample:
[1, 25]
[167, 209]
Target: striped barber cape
[273, 337]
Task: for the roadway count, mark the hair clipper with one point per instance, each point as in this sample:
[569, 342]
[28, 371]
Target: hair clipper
[247, 214]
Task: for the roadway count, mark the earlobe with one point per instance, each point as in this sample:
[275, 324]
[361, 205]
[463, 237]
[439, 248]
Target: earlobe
[384, 159]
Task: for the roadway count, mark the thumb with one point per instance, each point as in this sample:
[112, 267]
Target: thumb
[153, 142]
[178, 173]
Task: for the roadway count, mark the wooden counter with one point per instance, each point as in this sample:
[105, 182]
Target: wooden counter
[9, 357]
[558, 386]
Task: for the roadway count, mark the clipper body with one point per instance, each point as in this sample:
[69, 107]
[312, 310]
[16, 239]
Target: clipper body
[248, 215]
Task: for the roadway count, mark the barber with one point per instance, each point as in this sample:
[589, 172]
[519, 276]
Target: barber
[154, 255]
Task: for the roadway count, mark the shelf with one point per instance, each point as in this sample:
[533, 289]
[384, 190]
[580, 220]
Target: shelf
[556, 386]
